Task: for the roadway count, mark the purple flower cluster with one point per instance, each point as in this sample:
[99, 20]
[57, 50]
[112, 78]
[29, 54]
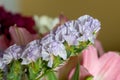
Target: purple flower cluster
[52, 45]
[83, 29]
[8, 19]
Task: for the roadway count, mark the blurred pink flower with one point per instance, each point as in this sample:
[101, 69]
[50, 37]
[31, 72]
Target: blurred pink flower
[8, 19]
[83, 73]
[106, 67]
[62, 19]
[19, 36]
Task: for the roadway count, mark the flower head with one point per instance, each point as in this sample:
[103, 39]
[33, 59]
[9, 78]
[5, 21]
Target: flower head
[81, 30]
[32, 52]
[87, 27]
[44, 24]
[14, 52]
[51, 48]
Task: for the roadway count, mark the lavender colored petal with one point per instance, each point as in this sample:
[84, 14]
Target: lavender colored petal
[7, 58]
[50, 62]
[45, 55]
[95, 26]
[2, 65]
[15, 51]
[83, 19]
[89, 23]
[47, 39]
[71, 39]
[32, 52]
[57, 48]
[12, 53]
[62, 30]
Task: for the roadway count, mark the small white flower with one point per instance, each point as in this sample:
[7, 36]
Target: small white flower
[45, 24]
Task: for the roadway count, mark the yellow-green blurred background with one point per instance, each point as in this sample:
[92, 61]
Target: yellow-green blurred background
[107, 11]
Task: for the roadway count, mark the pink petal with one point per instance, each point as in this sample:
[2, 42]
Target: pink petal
[62, 19]
[118, 77]
[109, 68]
[83, 73]
[99, 47]
[64, 71]
[3, 42]
[90, 60]
[21, 36]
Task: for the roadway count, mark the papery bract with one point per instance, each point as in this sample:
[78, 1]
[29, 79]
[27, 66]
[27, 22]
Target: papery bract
[32, 52]
[12, 53]
[2, 65]
[88, 26]
[51, 48]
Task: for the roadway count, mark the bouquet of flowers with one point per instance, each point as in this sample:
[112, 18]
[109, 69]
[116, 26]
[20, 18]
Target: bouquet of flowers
[66, 52]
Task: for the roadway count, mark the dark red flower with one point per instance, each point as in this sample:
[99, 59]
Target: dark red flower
[8, 19]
